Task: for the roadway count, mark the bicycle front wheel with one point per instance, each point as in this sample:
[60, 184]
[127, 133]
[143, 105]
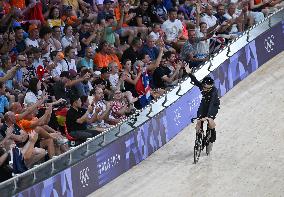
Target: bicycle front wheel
[197, 151]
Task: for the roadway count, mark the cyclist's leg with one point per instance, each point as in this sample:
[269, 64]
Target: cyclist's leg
[212, 125]
[198, 126]
[201, 113]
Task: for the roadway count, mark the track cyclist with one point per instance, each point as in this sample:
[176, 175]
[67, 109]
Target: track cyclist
[209, 106]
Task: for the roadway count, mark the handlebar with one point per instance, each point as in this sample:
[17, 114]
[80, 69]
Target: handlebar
[193, 119]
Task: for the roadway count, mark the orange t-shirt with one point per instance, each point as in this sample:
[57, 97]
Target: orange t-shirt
[26, 124]
[118, 15]
[69, 20]
[18, 3]
[256, 2]
[101, 60]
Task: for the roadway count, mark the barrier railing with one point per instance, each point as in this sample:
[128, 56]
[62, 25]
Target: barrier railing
[135, 122]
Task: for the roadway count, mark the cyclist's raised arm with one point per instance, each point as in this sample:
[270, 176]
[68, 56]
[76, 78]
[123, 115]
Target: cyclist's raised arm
[195, 81]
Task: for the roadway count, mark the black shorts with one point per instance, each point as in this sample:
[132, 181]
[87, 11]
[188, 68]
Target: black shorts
[203, 112]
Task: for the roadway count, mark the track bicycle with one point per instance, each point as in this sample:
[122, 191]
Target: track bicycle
[202, 141]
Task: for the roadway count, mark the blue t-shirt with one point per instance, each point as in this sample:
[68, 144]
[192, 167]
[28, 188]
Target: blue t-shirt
[8, 83]
[152, 52]
[4, 103]
[86, 64]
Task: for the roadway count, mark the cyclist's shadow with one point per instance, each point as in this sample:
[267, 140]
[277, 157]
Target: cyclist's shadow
[180, 156]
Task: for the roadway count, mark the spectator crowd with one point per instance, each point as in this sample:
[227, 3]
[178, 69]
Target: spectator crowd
[72, 68]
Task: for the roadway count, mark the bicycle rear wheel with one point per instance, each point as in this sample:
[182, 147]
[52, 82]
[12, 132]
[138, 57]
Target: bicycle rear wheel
[209, 148]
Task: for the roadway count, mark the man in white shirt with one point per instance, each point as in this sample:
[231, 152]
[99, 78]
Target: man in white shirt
[233, 16]
[209, 18]
[172, 28]
[67, 63]
[32, 40]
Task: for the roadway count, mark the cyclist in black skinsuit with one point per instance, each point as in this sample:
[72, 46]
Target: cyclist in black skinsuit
[210, 104]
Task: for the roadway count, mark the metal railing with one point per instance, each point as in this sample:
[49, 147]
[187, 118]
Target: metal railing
[92, 145]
